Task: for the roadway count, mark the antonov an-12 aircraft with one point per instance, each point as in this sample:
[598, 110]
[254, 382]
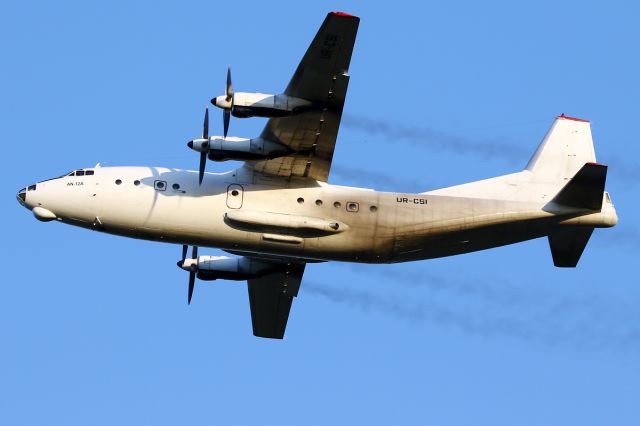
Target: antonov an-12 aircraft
[277, 212]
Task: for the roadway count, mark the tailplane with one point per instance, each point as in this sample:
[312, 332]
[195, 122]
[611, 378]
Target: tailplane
[584, 195]
[585, 190]
[568, 243]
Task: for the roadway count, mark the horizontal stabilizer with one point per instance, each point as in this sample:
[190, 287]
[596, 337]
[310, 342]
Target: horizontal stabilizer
[567, 245]
[585, 189]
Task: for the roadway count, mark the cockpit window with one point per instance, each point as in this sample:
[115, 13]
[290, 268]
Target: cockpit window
[80, 173]
[73, 173]
[31, 188]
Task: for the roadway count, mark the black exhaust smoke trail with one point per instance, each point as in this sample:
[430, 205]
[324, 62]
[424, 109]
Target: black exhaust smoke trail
[378, 180]
[625, 174]
[572, 323]
[436, 139]
[427, 137]
[421, 312]
[497, 292]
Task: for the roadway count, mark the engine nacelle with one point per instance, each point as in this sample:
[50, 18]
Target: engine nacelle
[211, 268]
[222, 149]
[261, 105]
[233, 148]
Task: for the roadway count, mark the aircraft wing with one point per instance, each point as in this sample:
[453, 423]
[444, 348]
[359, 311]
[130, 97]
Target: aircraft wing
[322, 78]
[270, 299]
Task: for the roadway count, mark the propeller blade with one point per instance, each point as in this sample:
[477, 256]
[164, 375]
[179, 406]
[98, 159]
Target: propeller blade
[226, 117]
[228, 90]
[184, 252]
[192, 273]
[203, 164]
[205, 126]
[192, 283]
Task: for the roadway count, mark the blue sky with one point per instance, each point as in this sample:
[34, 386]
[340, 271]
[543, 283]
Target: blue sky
[95, 329]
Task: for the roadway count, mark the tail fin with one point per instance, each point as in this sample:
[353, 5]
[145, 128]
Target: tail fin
[561, 155]
[566, 158]
[565, 149]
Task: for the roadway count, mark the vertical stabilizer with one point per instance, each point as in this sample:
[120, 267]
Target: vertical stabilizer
[564, 150]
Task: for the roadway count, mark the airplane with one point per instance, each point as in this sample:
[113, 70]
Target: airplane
[277, 212]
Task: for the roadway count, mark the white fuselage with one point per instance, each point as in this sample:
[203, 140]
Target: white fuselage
[289, 217]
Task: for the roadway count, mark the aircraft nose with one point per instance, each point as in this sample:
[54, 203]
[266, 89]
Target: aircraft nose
[21, 196]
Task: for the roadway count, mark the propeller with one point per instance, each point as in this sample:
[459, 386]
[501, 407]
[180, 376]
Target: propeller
[228, 92]
[193, 268]
[203, 155]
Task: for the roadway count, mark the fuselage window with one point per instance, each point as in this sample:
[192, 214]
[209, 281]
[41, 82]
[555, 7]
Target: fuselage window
[318, 202]
[175, 186]
[352, 206]
[118, 181]
[160, 185]
[373, 209]
[337, 204]
[136, 182]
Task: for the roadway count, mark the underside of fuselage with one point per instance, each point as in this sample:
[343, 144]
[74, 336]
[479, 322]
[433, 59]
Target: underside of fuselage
[384, 250]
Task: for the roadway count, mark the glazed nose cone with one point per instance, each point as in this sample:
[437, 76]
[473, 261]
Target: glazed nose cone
[21, 196]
